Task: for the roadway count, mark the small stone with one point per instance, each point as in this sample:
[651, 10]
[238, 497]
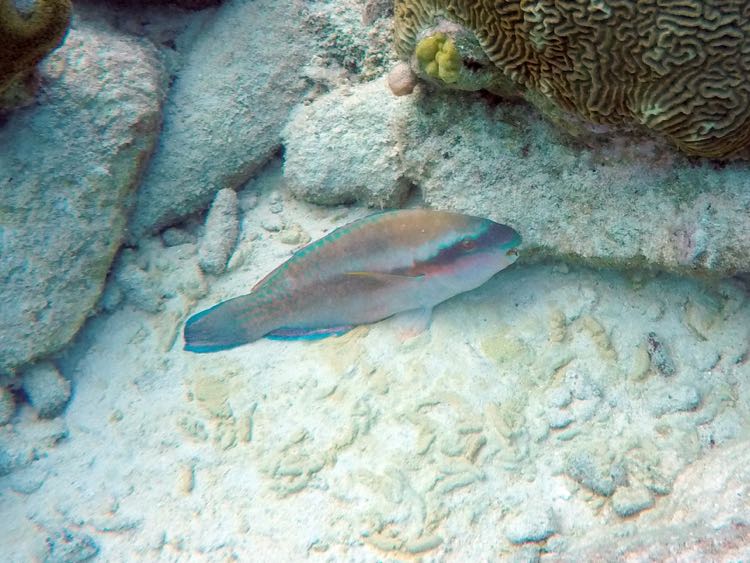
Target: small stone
[220, 237]
[402, 80]
[641, 363]
[186, 479]
[581, 385]
[701, 313]
[558, 419]
[531, 526]
[71, 547]
[46, 389]
[591, 473]
[140, 288]
[272, 224]
[294, 235]
[673, 398]
[559, 396]
[627, 501]
[7, 406]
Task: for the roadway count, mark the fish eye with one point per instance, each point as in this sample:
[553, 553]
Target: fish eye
[468, 243]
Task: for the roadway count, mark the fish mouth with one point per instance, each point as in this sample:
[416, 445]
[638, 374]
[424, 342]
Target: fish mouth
[512, 252]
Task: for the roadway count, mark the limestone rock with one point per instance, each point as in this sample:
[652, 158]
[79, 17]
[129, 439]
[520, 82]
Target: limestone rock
[67, 169]
[225, 112]
[328, 161]
[621, 202]
[220, 237]
[704, 519]
[47, 390]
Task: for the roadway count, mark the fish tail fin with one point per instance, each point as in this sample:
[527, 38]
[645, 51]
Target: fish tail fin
[223, 326]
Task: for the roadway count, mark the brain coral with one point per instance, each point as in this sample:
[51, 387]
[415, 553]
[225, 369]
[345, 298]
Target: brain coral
[678, 67]
[26, 39]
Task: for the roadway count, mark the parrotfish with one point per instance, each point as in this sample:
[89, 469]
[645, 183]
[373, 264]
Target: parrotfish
[363, 272]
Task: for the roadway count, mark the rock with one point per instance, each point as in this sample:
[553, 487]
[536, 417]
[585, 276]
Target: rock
[272, 224]
[559, 396]
[226, 110]
[615, 203]
[7, 406]
[138, 286]
[670, 398]
[704, 519]
[220, 236]
[591, 472]
[70, 546]
[46, 389]
[627, 501]
[68, 166]
[294, 234]
[531, 526]
[329, 162]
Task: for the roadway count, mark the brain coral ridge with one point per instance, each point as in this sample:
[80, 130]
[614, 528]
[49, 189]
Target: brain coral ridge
[678, 67]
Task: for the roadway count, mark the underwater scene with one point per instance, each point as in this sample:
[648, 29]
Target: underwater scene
[374, 280]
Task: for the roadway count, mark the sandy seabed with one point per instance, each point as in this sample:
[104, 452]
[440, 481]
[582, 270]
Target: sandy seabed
[552, 408]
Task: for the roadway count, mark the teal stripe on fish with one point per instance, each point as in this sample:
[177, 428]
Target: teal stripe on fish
[360, 273]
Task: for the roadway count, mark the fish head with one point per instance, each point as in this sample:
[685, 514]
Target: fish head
[476, 250]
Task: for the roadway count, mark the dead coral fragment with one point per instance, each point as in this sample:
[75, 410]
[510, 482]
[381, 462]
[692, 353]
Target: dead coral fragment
[679, 69]
[26, 39]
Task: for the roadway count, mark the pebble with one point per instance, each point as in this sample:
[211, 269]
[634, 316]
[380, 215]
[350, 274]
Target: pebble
[294, 235]
[140, 288]
[581, 385]
[583, 468]
[221, 231]
[272, 224]
[641, 363]
[627, 501]
[46, 389]
[559, 396]
[701, 314]
[559, 419]
[533, 525]
[71, 546]
[673, 398]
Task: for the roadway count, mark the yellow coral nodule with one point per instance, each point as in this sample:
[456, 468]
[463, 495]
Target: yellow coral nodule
[439, 58]
[428, 47]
